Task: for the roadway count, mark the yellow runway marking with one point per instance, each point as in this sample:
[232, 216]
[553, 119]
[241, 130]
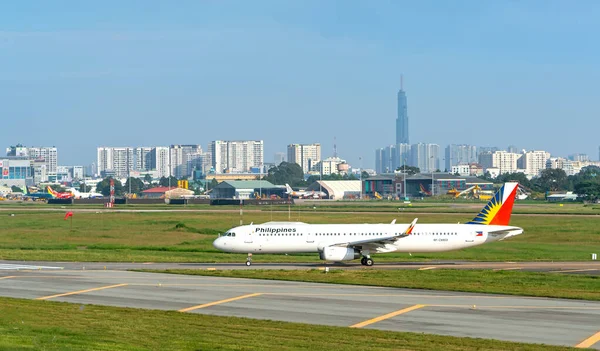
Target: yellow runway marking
[219, 302]
[80, 291]
[426, 268]
[386, 316]
[589, 342]
[8, 277]
[574, 270]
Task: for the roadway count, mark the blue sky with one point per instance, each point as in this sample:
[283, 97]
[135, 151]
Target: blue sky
[78, 75]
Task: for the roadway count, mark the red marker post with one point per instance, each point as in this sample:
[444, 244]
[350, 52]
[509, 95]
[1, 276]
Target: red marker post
[67, 215]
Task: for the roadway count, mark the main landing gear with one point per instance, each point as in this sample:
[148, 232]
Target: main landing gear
[249, 260]
[366, 261]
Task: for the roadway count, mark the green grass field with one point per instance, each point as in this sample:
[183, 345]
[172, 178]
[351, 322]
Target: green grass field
[188, 236]
[47, 325]
[584, 287]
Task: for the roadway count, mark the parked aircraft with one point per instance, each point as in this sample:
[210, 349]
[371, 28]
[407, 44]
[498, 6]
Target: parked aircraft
[344, 242]
[59, 195]
[303, 194]
[90, 195]
[37, 195]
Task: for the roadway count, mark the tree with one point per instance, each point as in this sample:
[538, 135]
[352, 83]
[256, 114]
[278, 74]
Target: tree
[550, 180]
[104, 187]
[586, 183]
[164, 181]
[16, 189]
[410, 170]
[364, 175]
[148, 178]
[136, 185]
[85, 188]
[286, 173]
[519, 177]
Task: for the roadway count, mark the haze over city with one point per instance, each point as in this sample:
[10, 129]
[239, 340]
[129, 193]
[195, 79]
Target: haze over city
[81, 75]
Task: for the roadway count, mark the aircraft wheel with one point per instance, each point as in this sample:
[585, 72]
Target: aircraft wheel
[248, 263]
[369, 262]
[363, 261]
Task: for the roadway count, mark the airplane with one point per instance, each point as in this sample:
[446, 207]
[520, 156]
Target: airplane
[36, 196]
[345, 242]
[303, 194]
[61, 195]
[79, 195]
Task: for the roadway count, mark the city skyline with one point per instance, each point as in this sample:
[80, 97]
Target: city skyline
[125, 77]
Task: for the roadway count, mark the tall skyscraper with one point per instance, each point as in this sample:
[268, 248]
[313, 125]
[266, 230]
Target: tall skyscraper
[402, 120]
[306, 155]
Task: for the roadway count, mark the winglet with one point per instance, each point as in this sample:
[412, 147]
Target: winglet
[394, 221]
[410, 228]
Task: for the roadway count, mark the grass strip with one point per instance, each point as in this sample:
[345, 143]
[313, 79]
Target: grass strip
[583, 287]
[47, 325]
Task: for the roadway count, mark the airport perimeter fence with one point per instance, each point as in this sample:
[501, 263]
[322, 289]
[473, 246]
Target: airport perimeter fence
[212, 202]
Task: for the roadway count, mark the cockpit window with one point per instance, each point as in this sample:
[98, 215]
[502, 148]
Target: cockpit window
[230, 234]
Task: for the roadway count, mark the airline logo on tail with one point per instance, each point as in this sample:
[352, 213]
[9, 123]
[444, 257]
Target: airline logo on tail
[499, 209]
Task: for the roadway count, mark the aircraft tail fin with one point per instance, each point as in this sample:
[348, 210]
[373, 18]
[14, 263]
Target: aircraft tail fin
[288, 188]
[499, 208]
[50, 191]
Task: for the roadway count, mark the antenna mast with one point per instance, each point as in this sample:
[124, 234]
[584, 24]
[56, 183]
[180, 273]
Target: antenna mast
[334, 148]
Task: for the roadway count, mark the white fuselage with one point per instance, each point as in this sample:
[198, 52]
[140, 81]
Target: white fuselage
[304, 238]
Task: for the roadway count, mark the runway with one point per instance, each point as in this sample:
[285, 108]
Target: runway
[512, 318]
[587, 267]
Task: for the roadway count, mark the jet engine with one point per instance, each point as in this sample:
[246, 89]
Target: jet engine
[334, 253]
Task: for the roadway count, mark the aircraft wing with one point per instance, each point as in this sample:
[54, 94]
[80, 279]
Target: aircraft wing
[381, 240]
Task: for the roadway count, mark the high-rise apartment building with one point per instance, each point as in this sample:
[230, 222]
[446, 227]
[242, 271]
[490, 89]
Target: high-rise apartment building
[505, 162]
[237, 156]
[460, 155]
[159, 158]
[44, 157]
[305, 155]
[425, 156]
[532, 162]
[402, 119]
[116, 160]
[143, 158]
[183, 159]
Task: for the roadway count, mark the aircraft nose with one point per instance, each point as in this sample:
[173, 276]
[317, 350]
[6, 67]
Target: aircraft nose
[219, 243]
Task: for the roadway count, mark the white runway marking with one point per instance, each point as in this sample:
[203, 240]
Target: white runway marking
[16, 267]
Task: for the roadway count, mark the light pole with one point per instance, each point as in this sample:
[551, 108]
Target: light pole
[360, 161]
[260, 181]
[404, 187]
[432, 181]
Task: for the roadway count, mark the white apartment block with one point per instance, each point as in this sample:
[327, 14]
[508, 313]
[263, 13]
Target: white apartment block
[238, 156]
[463, 170]
[332, 165]
[45, 158]
[160, 161]
[305, 155]
[532, 162]
[116, 159]
[505, 162]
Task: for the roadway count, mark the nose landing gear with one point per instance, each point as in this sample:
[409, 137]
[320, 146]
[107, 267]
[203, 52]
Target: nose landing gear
[249, 260]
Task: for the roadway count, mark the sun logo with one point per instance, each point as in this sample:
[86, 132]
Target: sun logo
[489, 212]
